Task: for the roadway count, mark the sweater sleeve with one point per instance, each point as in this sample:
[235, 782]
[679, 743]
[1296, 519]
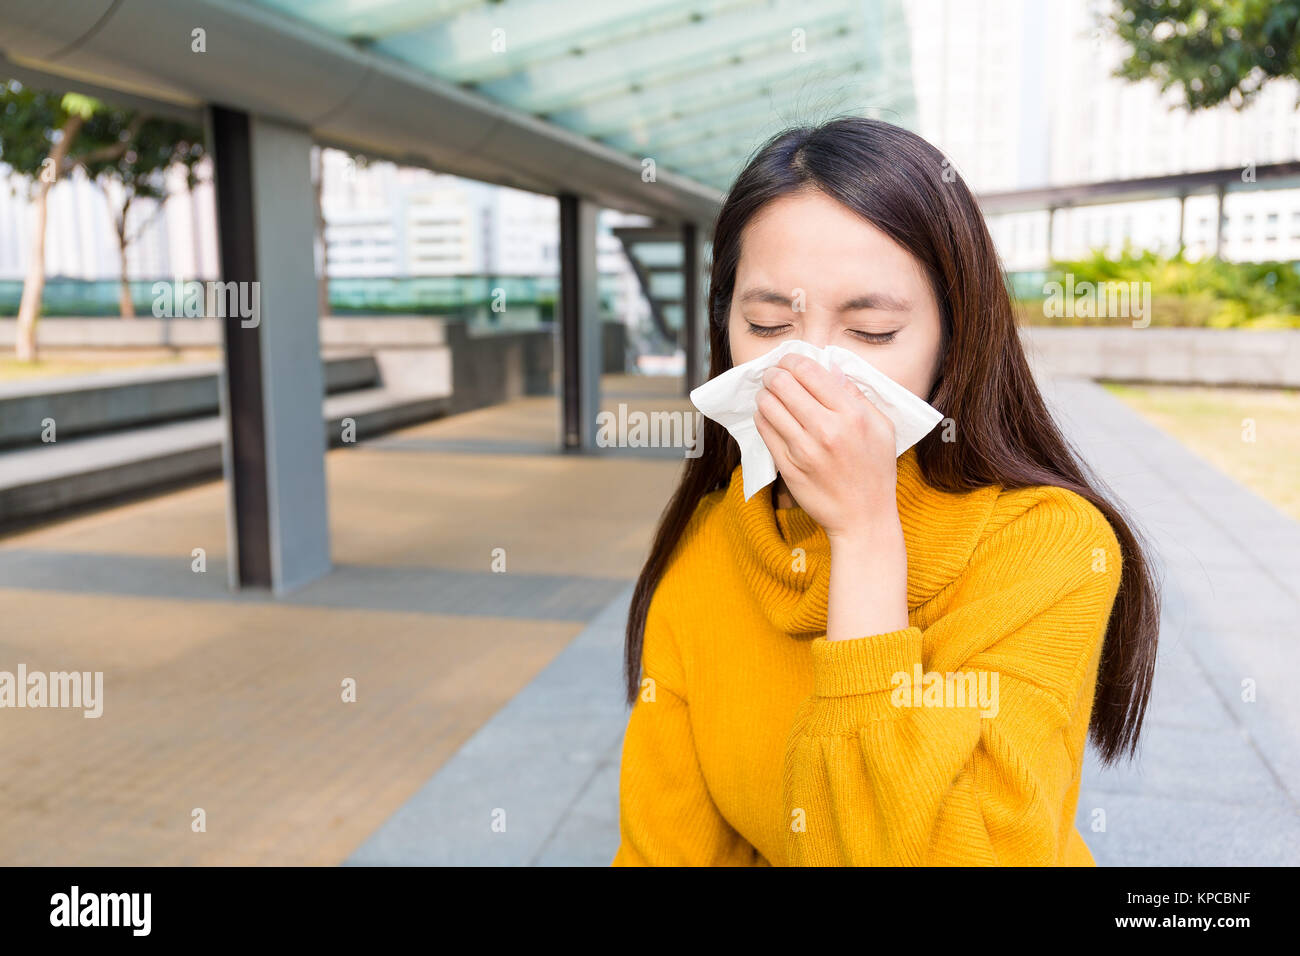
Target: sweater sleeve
[667, 816]
[962, 744]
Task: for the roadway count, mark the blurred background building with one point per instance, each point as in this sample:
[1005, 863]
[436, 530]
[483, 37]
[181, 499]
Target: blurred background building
[1011, 111]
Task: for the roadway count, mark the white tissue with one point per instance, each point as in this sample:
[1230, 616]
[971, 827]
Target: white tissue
[730, 400]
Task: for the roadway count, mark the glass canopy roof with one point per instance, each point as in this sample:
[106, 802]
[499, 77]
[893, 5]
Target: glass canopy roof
[695, 85]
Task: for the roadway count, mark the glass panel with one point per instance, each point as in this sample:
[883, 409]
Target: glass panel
[695, 85]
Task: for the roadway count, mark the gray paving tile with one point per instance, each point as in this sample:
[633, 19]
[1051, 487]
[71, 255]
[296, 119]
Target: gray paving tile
[588, 835]
[534, 761]
[1182, 695]
[380, 588]
[1144, 830]
[1174, 761]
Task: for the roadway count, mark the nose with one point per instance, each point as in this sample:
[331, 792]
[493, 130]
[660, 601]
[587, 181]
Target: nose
[817, 333]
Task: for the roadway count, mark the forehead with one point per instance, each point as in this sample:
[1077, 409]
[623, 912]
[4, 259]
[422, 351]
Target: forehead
[809, 240]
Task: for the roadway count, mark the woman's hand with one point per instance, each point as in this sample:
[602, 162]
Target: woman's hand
[835, 451]
[834, 448]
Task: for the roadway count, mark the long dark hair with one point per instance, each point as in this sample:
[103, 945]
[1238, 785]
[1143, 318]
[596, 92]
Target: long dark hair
[907, 188]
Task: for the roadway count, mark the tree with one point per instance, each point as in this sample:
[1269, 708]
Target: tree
[1210, 50]
[44, 136]
[139, 172]
[38, 135]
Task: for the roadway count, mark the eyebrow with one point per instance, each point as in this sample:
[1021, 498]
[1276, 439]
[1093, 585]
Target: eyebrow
[871, 300]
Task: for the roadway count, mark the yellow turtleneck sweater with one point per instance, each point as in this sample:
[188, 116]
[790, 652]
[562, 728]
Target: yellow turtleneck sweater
[758, 742]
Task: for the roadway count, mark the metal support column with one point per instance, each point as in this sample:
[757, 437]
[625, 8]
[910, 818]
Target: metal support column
[1051, 231]
[695, 311]
[1221, 217]
[1182, 222]
[580, 331]
[272, 383]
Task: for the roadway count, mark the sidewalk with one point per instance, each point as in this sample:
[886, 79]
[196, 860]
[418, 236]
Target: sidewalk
[467, 552]
[1218, 779]
[484, 696]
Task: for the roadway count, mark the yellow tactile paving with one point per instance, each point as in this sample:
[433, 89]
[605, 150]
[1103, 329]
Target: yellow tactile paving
[236, 708]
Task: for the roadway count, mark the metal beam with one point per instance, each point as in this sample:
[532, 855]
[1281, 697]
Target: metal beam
[1267, 176]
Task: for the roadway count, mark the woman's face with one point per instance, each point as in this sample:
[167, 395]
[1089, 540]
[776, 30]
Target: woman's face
[811, 269]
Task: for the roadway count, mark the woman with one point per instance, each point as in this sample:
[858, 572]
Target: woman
[877, 661]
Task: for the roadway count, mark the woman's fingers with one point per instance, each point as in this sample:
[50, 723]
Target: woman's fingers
[837, 393]
[798, 408]
[816, 399]
[771, 437]
[778, 415]
[824, 386]
[782, 383]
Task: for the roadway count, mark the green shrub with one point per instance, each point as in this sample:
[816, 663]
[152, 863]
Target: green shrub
[1202, 293]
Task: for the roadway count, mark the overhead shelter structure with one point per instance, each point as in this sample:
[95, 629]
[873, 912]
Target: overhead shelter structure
[645, 106]
[1219, 182]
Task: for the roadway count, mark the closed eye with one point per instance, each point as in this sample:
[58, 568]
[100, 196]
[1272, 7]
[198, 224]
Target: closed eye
[766, 329]
[876, 338]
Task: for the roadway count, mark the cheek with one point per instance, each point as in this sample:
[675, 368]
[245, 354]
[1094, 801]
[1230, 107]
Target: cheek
[742, 352]
[745, 346]
[737, 344]
[911, 367]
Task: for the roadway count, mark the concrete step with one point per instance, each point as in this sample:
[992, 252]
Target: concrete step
[88, 404]
[47, 479]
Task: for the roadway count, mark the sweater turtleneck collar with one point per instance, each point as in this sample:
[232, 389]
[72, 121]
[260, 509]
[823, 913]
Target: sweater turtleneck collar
[940, 530]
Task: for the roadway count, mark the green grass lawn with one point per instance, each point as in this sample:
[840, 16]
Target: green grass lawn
[1216, 423]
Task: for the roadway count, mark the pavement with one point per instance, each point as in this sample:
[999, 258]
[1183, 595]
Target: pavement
[467, 555]
[1218, 778]
[488, 722]
[1217, 781]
